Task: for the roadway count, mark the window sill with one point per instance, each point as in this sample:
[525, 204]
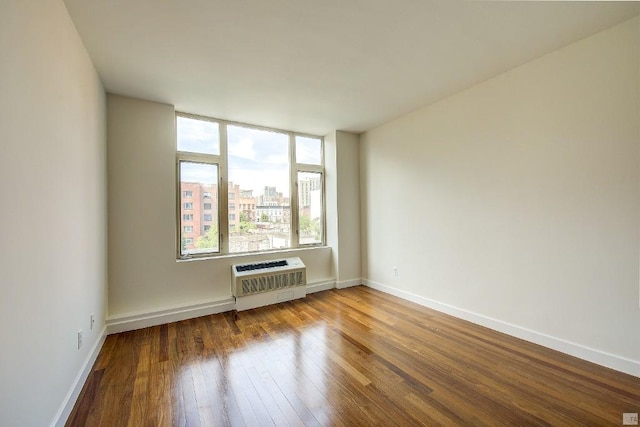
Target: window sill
[251, 254]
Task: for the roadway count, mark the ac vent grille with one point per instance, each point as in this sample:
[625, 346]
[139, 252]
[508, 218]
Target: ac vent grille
[261, 265]
[272, 282]
[250, 279]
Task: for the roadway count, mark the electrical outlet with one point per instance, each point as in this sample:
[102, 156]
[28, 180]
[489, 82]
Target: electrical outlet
[395, 272]
[79, 339]
[92, 321]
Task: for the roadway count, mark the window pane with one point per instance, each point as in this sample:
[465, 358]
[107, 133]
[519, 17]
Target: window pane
[310, 207]
[199, 229]
[197, 136]
[260, 215]
[308, 150]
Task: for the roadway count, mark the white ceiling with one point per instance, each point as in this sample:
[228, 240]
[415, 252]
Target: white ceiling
[319, 65]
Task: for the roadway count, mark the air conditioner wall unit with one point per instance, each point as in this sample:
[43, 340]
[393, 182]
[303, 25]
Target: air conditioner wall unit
[270, 282]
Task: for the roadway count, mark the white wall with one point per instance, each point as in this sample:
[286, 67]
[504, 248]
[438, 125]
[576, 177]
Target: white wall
[53, 210]
[517, 200]
[331, 193]
[342, 160]
[144, 276]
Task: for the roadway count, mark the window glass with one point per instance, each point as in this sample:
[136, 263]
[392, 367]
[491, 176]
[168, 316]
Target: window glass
[308, 150]
[258, 168]
[199, 178]
[310, 207]
[197, 136]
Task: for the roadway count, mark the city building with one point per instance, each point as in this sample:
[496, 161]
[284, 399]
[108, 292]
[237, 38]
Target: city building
[308, 187]
[198, 211]
[264, 224]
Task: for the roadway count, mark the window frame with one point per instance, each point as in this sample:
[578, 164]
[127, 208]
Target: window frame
[220, 160]
[217, 160]
[306, 167]
[313, 169]
[208, 159]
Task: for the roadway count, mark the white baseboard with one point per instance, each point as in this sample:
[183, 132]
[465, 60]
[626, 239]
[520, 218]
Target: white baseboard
[134, 321]
[320, 286]
[348, 283]
[76, 387]
[332, 284]
[619, 363]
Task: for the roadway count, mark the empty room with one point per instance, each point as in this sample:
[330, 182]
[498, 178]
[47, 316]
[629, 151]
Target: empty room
[319, 213]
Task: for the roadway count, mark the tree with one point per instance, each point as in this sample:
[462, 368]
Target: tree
[209, 240]
[305, 223]
[245, 225]
[315, 227]
[264, 218]
[309, 227]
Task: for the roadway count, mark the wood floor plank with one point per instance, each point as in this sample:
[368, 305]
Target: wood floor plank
[343, 358]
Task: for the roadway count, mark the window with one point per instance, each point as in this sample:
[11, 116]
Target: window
[259, 160]
[198, 166]
[308, 150]
[273, 196]
[310, 207]
[197, 135]
[203, 176]
[310, 181]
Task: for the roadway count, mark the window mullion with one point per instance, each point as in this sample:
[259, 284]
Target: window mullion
[303, 167]
[293, 185]
[178, 204]
[199, 158]
[223, 202]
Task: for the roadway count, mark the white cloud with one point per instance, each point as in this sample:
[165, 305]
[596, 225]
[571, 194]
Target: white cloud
[242, 148]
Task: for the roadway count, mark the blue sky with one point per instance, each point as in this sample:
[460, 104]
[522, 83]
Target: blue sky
[256, 157]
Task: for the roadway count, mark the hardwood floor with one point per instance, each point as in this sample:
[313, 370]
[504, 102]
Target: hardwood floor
[343, 358]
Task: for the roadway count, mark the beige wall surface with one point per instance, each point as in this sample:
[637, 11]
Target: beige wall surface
[144, 275]
[53, 209]
[518, 199]
[342, 160]
[348, 207]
